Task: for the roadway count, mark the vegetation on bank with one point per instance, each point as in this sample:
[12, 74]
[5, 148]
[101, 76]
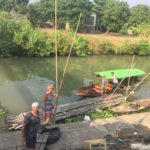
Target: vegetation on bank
[97, 114]
[114, 43]
[19, 38]
[94, 114]
[22, 37]
[2, 111]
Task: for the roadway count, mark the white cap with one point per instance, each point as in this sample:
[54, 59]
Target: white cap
[35, 104]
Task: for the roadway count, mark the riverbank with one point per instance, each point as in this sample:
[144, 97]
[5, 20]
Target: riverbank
[73, 135]
[113, 43]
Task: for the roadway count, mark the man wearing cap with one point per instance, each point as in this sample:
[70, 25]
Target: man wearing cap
[30, 127]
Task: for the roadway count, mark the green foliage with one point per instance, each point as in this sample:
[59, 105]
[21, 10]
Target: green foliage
[8, 5]
[81, 47]
[97, 114]
[99, 5]
[141, 29]
[115, 15]
[41, 12]
[68, 11]
[22, 1]
[123, 29]
[94, 114]
[141, 47]
[74, 119]
[64, 42]
[139, 14]
[105, 47]
[2, 111]
[18, 37]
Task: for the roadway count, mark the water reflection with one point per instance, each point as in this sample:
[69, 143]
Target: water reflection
[24, 80]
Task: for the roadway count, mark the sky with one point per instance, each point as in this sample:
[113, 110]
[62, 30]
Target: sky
[130, 2]
[135, 2]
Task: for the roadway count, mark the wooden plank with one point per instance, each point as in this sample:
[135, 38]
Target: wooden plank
[41, 141]
[85, 102]
[38, 144]
[73, 109]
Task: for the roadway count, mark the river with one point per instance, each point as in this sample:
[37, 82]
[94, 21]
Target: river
[24, 80]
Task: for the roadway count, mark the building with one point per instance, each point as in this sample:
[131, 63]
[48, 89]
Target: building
[92, 23]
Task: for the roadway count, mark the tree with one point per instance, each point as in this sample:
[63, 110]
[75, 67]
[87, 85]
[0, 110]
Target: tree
[22, 1]
[68, 11]
[41, 12]
[115, 15]
[139, 14]
[8, 5]
[99, 5]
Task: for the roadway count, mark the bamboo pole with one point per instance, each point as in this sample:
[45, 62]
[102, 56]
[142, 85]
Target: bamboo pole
[138, 84]
[56, 53]
[61, 82]
[129, 78]
[72, 44]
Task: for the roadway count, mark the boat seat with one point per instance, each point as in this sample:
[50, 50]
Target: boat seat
[100, 142]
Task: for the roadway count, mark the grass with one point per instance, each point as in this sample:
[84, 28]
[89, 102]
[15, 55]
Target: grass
[109, 42]
[115, 38]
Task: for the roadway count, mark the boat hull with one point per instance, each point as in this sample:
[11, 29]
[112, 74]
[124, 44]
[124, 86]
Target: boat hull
[92, 90]
[132, 106]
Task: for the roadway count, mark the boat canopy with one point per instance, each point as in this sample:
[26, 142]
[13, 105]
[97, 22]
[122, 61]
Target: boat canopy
[121, 73]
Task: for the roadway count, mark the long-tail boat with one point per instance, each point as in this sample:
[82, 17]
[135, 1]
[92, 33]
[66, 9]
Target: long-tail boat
[95, 89]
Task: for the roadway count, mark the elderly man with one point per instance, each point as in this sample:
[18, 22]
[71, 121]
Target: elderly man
[30, 127]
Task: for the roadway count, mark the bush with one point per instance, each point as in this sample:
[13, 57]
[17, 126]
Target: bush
[81, 47]
[142, 30]
[18, 37]
[106, 47]
[141, 47]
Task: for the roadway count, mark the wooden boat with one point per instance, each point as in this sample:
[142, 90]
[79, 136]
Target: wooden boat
[95, 89]
[92, 90]
[132, 106]
[121, 73]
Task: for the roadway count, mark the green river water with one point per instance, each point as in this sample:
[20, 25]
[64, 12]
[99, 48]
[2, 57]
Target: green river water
[24, 80]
